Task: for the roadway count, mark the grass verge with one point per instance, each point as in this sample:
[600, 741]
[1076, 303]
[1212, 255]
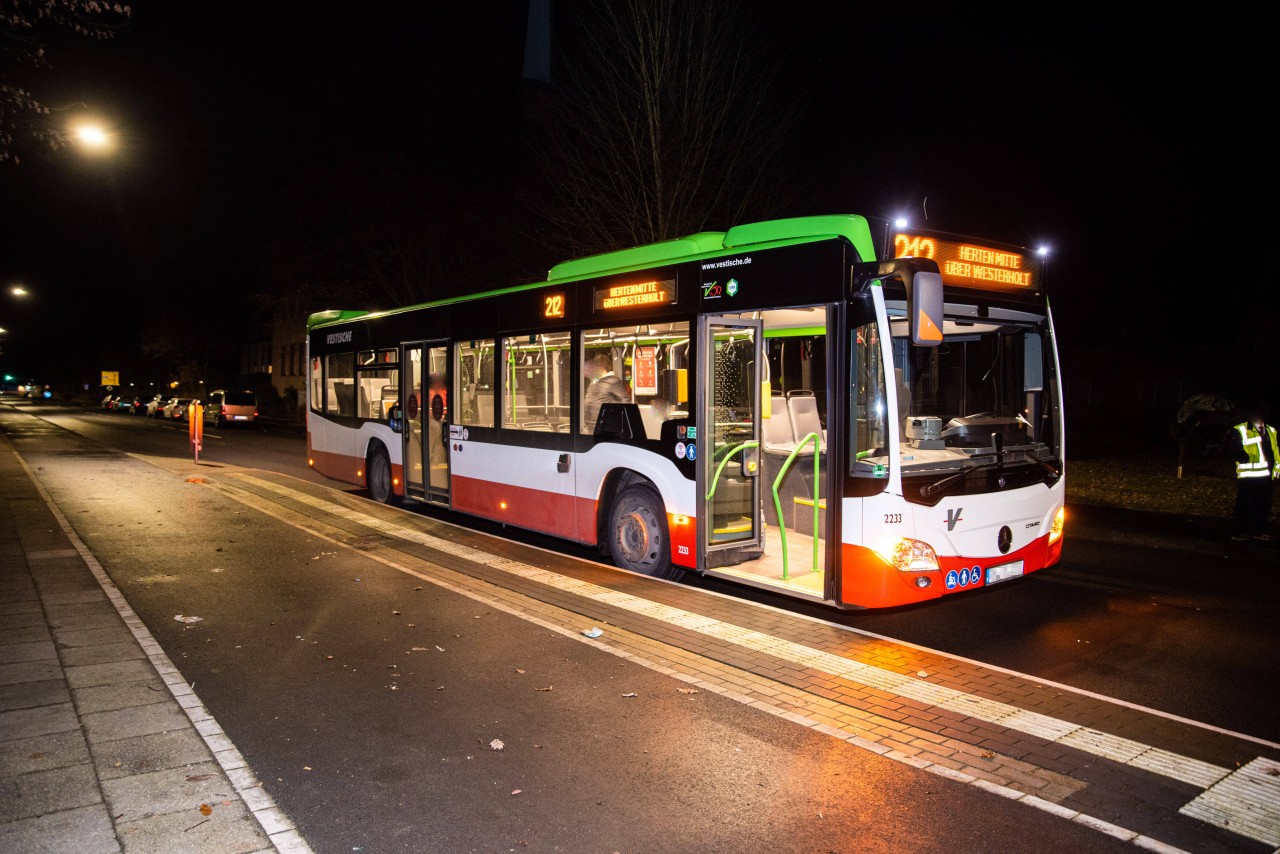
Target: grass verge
[1207, 486]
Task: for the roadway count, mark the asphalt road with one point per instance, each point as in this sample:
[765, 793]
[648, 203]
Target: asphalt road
[1163, 612]
[385, 714]
[388, 715]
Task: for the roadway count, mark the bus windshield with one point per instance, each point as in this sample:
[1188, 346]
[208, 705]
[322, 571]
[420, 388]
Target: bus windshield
[976, 413]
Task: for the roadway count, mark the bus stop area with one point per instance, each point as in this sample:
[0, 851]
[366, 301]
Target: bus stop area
[412, 660]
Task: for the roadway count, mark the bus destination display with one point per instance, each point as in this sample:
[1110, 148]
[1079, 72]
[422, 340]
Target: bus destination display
[612, 297]
[969, 264]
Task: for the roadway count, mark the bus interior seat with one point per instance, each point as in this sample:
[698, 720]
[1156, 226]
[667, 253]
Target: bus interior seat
[803, 410]
[484, 408]
[389, 397]
[345, 395]
[652, 421]
[537, 425]
[778, 438]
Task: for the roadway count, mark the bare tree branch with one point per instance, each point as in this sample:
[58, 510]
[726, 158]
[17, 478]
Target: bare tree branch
[664, 123]
[24, 119]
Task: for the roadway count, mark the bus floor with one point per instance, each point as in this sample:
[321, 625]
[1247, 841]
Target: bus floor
[796, 575]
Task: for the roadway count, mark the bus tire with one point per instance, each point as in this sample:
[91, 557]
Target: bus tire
[637, 533]
[378, 471]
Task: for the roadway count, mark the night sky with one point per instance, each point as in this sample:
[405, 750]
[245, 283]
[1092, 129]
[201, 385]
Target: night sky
[1119, 142]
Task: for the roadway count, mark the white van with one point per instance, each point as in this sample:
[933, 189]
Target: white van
[232, 407]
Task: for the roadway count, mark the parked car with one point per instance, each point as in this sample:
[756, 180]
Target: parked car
[125, 403]
[155, 406]
[140, 401]
[109, 402]
[232, 407]
[176, 408]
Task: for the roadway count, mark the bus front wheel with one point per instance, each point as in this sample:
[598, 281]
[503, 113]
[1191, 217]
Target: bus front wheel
[638, 538]
[379, 478]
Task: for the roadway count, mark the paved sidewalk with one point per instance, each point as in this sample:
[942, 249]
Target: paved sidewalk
[103, 746]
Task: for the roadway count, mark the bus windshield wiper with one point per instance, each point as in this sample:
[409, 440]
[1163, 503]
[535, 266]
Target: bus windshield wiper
[999, 462]
[1046, 466]
[934, 488]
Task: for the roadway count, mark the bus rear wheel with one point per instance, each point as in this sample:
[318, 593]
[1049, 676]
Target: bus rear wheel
[378, 469]
[638, 538]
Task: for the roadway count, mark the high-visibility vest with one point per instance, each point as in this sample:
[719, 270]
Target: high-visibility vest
[1251, 440]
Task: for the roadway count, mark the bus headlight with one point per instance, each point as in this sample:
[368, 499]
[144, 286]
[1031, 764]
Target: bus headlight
[1055, 530]
[910, 555]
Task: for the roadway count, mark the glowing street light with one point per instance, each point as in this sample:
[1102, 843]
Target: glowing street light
[92, 136]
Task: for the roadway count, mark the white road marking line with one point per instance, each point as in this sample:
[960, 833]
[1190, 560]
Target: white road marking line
[1126, 751]
[1226, 809]
[277, 826]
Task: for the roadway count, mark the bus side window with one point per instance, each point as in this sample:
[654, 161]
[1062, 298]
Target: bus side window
[340, 378]
[345, 394]
[535, 382]
[474, 381]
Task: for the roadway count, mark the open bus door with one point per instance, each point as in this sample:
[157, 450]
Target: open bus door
[730, 527]
[426, 413]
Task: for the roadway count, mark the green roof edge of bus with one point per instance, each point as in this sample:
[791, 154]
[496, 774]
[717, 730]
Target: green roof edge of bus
[333, 316]
[804, 229]
[739, 238]
[650, 255]
[775, 232]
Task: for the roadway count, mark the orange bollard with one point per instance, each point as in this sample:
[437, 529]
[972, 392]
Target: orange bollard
[195, 427]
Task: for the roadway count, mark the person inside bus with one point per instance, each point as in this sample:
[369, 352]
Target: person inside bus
[605, 387]
[1254, 446]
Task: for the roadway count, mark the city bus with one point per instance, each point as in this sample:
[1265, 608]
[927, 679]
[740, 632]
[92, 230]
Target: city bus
[826, 407]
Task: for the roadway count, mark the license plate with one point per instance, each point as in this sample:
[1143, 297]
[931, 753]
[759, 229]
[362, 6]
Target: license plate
[240, 417]
[1004, 572]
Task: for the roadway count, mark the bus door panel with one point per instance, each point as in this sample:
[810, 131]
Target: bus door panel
[411, 395]
[730, 528]
[437, 423]
[426, 457]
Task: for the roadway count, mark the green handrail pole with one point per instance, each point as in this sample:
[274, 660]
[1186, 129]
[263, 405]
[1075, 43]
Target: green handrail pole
[777, 504]
[716, 480]
[511, 384]
[817, 493]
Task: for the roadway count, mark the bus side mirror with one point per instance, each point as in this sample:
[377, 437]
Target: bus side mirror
[924, 302]
[923, 283]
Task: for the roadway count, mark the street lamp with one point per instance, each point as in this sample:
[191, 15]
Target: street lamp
[92, 136]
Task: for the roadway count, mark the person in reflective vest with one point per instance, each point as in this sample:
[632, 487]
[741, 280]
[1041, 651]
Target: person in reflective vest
[1256, 452]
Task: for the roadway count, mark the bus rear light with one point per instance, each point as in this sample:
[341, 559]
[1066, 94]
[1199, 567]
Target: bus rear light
[1059, 522]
